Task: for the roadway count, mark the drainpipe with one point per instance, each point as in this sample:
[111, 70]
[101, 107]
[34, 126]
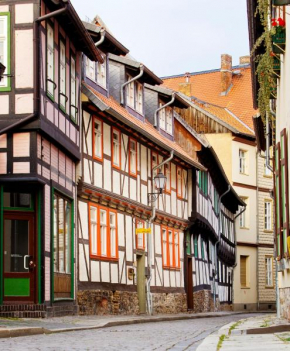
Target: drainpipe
[161, 108]
[130, 81]
[215, 245]
[268, 140]
[257, 227]
[149, 238]
[103, 33]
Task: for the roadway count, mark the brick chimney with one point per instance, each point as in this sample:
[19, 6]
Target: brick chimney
[185, 87]
[226, 73]
[245, 60]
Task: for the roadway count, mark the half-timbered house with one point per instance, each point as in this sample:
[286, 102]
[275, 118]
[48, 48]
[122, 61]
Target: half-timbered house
[40, 148]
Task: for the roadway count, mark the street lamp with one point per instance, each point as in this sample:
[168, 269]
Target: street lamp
[160, 182]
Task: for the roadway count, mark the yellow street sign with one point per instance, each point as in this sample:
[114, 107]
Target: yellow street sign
[143, 230]
[288, 244]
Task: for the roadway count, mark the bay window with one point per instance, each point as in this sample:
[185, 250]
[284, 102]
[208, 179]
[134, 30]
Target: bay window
[139, 98]
[132, 157]
[91, 69]
[130, 93]
[102, 74]
[170, 248]
[73, 95]
[116, 148]
[98, 139]
[5, 48]
[103, 232]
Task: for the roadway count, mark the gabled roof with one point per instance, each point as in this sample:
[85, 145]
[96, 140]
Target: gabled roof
[110, 105]
[206, 87]
[148, 75]
[110, 41]
[178, 102]
[73, 25]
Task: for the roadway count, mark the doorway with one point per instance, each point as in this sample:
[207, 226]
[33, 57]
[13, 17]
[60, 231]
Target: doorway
[19, 257]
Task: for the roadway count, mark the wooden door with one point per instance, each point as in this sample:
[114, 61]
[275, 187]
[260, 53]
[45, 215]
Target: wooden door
[189, 284]
[19, 257]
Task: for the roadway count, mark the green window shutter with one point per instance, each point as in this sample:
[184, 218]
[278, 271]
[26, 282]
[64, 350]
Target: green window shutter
[188, 244]
[199, 179]
[195, 247]
[202, 248]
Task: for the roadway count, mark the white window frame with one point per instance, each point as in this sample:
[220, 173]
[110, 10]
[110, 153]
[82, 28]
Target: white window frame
[116, 144]
[269, 271]
[268, 215]
[90, 69]
[98, 139]
[139, 98]
[94, 230]
[130, 92]
[102, 74]
[103, 232]
[50, 61]
[162, 117]
[113, 234]
[169, 119]
[243, 161]
[133, 157]
[62, 74]
[4, 39]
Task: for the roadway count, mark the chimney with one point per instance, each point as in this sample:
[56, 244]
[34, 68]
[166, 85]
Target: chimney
[245, 60]
[185, 88]
[226, 73]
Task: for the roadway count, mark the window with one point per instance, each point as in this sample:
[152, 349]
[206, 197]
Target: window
[168, 178]
[62, 76]
[116, 148]
[216, 201]
[62, 234]
[73, 96]
[244, 271]
[268, 215]
[243, 215]
[98, 139]
[130, 93]
[203, 182]
[170, 248]
[195, 246]
[202, 247]
[91, 69]
[133, 157]
[267, 171]
[50, 61]
[179, 181]
[166, 118]
[243, 161]
[5, 48]
[102, 74]
[139, 98]
[140, 238]
[103, 232]
[269, 271]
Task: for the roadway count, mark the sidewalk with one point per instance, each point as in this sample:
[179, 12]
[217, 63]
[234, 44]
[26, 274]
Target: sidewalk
[257, 333]
[21, 327]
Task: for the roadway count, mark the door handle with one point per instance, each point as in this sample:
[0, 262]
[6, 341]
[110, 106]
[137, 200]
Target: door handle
[24, 263]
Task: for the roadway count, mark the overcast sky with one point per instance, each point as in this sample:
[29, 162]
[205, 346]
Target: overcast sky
[174, 36]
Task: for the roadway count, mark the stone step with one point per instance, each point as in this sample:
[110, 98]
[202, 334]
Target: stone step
[23, 314]
[22, 307]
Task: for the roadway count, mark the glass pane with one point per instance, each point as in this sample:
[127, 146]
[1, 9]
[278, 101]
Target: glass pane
[55, 236]
[17, 200]
[61, 235]
[16, 245]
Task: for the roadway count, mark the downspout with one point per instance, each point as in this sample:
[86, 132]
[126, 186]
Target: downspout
[215, 245]
[103, 34]
[257, 227]
[161, 108]
[268, 139]
[130, 81]
[149, 238]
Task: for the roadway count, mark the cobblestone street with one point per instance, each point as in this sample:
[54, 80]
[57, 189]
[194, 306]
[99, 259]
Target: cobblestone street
[175, 335]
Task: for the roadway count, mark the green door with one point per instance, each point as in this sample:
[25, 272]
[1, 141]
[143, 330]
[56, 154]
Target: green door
[19, 258]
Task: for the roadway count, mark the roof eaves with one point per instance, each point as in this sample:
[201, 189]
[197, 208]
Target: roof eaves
[240, 121]
[168, 92]
[90, 95]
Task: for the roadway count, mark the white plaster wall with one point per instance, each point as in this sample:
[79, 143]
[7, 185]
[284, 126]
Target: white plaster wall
[250, 177]
[23, 103]
[23, 13]
[4, 103]
[24, 58]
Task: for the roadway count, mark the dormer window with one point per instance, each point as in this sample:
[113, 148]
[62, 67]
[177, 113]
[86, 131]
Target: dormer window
[97, 72]
[165, 119]
[134, 95]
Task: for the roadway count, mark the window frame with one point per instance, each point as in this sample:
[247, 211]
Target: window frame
[62, 41]
[136, 98]
[247, 271]
[170, 256]
[96, 157]
[243, 168]
[167, 168]
[179, 193]
[117, 131]
[130, 101]
[7, 85]
[98, 65]
[269, 283]
[74, 118]
[137, 222]
[163, 115]
[49, 95]
[99, 255]
[268, 217]
[136, 158]
[90, 64]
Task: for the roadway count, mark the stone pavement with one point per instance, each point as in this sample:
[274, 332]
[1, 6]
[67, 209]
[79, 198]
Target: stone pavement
[12, 327]
[264, 332]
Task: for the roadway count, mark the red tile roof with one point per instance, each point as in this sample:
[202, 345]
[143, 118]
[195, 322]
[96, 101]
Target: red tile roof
[206, 86]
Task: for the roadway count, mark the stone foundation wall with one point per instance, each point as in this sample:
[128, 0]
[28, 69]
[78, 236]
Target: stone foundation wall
[203, 302]
[102, 302]
[285, 302]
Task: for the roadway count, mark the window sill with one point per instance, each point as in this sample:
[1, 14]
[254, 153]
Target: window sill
[51, 97]
[96, 158]
[269, 231]
[166, 131]
[171, 268]
[245, 174]
[246, 228]
[104, 258]
[267, 176]
[116, 167]
[269, 287]
[245, 287]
